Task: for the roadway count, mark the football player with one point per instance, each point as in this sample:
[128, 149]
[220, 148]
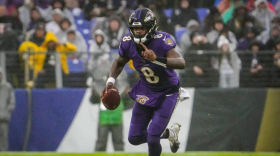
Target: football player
[156, 94]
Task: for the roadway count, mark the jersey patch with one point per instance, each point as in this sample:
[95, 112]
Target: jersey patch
[168, 41]
[142, 99]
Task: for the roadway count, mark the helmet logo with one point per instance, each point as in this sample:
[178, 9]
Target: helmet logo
[149, 16]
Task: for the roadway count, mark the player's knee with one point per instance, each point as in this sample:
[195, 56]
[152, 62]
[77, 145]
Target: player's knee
[134, 140]
[153, 140]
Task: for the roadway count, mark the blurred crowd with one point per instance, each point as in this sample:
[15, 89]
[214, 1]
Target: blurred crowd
[87, 33]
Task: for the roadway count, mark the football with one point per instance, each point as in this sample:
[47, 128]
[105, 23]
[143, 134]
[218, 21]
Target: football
[111, 100]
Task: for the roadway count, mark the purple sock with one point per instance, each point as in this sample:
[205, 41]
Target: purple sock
[154, 145]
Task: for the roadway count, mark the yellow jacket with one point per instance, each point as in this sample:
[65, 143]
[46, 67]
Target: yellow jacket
[37, 58]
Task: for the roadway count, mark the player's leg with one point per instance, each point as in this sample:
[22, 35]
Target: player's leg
[141, 117]
[160, 119]
[117, 137]
[101, 142]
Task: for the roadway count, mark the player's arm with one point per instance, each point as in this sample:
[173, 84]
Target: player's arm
[116, 69]
[172, 60]
[118, 66]
[175, 60]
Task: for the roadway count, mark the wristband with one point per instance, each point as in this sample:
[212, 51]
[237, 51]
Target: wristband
[162, 61]
[111, 79]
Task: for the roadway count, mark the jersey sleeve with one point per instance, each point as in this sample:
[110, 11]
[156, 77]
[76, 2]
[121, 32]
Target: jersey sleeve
[168, 42]
[123, 49]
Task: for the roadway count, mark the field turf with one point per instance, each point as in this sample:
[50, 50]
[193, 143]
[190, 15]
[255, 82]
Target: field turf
[138, 154]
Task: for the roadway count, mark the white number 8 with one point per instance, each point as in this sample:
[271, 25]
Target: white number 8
[149, 74]
[126, 38]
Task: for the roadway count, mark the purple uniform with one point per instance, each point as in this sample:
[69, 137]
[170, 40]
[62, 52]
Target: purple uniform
[154, 77]
[156, 93]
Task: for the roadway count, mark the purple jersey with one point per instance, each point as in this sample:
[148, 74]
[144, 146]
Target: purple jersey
[153, 76]
[155, 80]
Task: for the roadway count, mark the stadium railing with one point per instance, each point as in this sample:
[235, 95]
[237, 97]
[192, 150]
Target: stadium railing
[22, 71]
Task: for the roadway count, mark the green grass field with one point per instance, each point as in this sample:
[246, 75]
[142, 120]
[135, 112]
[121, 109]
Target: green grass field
[138, 154]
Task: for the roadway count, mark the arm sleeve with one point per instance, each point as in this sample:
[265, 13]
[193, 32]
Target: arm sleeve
[168, 44]
[70, 47]
[122, 50]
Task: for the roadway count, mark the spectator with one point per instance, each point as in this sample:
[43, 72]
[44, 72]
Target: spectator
[60, 4]
[208, 21]
[162, 21]
[263, 13]
[250, 21]
[237, 23]
[7, 105]
[53, 26]
[186, 42]
[25, 14]
[8, 38]
[47, 73]
[275, 71]
[255, 65]
[240, 11]
[65, 25]
[277, 8]
[35, 19]
[45, 9]
[72, 4]
[199, 42]
[265, 35]
[43, 64]
[251, 6]
[98, 45]
[274, 36]
[13, 15]
[277, 46]
[218, 27]
[228, 64]
[94, 8]
[250, 35]
[181, 16]
[36, 40]
[114, 29]
[77, 39]
[69, 34]
[109, 121]
[3, 17]
[9, 44]
[199, 71]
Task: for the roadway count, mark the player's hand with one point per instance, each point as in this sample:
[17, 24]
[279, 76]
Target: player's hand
[148, 54]
[108, 86]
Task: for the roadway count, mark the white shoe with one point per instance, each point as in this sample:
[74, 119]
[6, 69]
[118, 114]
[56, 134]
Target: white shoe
[173, 140]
